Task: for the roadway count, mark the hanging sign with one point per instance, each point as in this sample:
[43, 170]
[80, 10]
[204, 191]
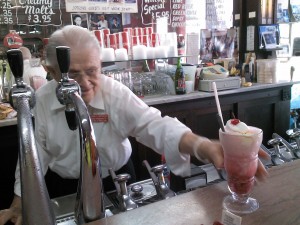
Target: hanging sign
[33, 12]
[12, 40]
[29, 12]
[111, 6]
[6, 15]
[218, 14]
[173, 10]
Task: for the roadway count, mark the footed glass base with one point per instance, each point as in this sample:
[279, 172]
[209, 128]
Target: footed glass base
[241, 207]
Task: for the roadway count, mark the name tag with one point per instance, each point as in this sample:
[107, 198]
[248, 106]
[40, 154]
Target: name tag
[99, 118]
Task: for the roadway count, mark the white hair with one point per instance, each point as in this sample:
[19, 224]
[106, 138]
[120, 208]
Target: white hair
[75, 37]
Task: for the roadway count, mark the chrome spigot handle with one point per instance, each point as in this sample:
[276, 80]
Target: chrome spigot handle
[66, 86]
[36, 205]
[89, 201]
[275, 143]
[20, 89]
[296, 136]
[122, 179]
[125, 201]
[114, 178]
[15, 60]
[288, 146]
[276, 157]
[161, 187]
[152, 175]
[63, 59]
[158, 171]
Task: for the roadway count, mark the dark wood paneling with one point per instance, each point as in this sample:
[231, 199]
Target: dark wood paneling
[8, 161]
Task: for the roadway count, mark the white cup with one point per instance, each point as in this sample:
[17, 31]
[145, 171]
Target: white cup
[172, 51]
[150, 53]
[139, 52]
[107, 55]
[189, 86]
[161, 52]
[121, 54]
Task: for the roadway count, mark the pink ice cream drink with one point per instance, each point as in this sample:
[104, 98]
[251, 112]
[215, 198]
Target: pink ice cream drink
[240, 144]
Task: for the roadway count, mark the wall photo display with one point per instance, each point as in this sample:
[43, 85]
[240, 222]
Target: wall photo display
[114, 23]
[282, 15]
[264, 31]
[217, 43]
[98, 21]
[295, 10]
[108, 6]
[80, 19]
[269, 39]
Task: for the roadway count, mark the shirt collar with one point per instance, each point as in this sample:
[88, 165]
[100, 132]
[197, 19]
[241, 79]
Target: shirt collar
[97, 101]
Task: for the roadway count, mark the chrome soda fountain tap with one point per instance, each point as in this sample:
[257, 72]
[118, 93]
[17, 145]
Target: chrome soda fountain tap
[288, 152]
[295, 135]
[89, 201]
[124, 199]
[161, 187]
[36, 206]
[278, 158]
[5, 84]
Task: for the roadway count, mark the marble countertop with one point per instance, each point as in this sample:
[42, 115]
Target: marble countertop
[278, 197]
[156, 100]
[8, 122]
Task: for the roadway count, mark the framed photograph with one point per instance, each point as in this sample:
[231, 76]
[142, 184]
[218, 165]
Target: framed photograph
[284, 52]
[269, 40]
[267, 30]
[80, 19]
[98, 21]
[282, 14]
[114, 23]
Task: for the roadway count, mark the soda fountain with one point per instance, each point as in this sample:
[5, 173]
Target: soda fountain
[89, 201]
[36, 206]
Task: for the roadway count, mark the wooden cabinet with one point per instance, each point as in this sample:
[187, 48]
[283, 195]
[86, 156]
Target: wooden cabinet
[267, 108]
[8, 161]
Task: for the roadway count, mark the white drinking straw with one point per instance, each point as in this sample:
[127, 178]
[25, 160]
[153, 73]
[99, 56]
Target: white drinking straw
[217, 102]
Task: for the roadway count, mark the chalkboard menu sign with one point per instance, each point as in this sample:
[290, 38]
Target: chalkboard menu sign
[174, 10]
[30, 12]
[6, 16]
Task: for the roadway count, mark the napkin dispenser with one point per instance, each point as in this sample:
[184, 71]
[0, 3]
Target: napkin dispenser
[222, 84]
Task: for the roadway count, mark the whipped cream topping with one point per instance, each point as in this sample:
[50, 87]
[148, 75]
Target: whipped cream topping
[236, 126]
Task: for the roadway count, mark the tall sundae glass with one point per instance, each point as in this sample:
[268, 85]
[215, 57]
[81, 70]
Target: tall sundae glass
[240, 144]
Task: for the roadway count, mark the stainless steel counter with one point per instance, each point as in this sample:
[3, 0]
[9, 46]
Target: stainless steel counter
[278, 196]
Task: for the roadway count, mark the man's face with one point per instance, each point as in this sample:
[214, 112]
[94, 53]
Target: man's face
[85, 68]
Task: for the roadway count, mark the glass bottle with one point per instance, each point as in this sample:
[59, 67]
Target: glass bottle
[5, 84]
[180, 87]
[145, 67]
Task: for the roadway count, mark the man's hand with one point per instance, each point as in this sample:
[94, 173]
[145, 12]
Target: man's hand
[13, 214]
[214, 153]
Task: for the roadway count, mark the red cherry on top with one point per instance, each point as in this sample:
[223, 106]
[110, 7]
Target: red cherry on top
[235, 121]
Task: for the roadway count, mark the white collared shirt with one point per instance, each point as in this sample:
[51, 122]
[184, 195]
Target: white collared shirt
[128, 115]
